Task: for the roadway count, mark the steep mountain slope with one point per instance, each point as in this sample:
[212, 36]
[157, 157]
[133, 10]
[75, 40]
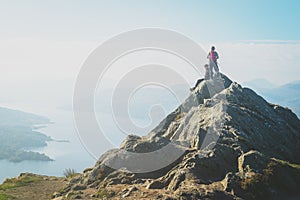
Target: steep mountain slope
[223, 142]
[285, 95]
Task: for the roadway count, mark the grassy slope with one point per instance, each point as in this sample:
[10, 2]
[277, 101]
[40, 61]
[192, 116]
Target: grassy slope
[31, 187]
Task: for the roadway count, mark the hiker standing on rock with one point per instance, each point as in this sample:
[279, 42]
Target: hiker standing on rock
[213, 57]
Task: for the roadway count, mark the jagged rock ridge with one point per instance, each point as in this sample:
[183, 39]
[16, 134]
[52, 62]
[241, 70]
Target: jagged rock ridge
[233, 145]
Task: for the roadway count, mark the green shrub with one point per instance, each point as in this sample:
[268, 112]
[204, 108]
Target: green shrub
[20, 181]
[69, 173]
[6, 197]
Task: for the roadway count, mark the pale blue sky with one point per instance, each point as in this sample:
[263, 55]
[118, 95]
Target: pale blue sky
[216, 21]
[44, 43]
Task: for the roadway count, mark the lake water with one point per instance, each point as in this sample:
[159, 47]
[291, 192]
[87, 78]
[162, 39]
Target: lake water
[70, 154]
[73, 154]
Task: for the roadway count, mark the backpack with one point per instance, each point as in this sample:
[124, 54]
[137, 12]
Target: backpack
[213, 56]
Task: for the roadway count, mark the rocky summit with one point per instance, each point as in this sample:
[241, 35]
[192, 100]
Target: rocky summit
[223, 142]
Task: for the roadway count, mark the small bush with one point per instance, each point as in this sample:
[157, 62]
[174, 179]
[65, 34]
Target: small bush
[18, 182]
[69, 173]
[6, 197]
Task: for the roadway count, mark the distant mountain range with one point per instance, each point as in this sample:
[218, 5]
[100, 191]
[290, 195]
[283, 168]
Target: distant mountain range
[286, 95]
[17, 133]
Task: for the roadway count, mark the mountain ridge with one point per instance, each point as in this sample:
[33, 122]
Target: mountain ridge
[223, 142]
[229, 138]
[285, 95]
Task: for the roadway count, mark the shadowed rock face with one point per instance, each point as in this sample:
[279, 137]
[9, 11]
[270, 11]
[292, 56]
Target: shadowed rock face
[224, 142]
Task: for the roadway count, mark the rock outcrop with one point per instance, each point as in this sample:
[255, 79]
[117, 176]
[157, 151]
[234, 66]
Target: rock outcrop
[223, 142]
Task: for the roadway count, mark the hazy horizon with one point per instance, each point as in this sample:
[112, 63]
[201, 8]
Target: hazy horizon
[44, 44]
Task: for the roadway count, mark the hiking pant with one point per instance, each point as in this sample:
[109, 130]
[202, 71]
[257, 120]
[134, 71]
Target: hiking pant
[213, 65]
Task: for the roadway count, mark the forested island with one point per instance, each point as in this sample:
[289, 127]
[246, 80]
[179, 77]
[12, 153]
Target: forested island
[18, 134]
